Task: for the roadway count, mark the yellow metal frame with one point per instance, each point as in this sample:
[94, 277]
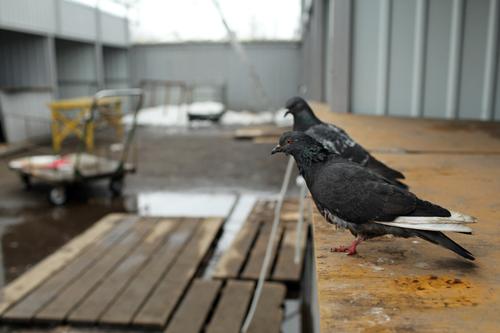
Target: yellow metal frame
[63, 124]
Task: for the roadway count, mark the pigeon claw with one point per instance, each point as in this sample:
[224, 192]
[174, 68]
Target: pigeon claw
[339, 249]
[349, 250]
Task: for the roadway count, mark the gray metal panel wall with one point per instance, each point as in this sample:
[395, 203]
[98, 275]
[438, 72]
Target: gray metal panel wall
[401, 55]
[113, 30]
[313, 49]
[430, 58]
[116, 67]
[63, 19]
[437, 58]
[76, 68]
[77, 21]
[25, 114]
[475, 35]
[278, 64]
[31, 15]
[23, 60]
[365, 70]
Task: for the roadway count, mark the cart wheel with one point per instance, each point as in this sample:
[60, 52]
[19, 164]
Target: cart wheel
[26, 179]
[57, 196]
[116, 186]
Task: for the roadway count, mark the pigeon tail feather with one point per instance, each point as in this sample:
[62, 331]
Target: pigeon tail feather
[426, 208]
[455, 222]
[441, 239]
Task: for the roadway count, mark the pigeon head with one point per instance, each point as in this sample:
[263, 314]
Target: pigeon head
[303, 116]
[302, 147]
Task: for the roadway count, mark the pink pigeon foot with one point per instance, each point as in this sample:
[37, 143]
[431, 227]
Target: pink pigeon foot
[350, 250]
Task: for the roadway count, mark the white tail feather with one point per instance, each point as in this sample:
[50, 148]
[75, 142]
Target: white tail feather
[456, 218]
[453, 223]
[451, 227]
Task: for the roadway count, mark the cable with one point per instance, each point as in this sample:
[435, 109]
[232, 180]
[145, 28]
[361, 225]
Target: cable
[302, 198]
[269, 249]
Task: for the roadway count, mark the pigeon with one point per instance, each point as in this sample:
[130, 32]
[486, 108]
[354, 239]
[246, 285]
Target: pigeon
[336, 140]
[367, 204]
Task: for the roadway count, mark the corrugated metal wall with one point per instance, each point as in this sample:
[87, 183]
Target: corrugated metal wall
[116, 71]
[23, 60]
[429, 58]
[32, 15]
[76, 69]
[77, 21]
[278, 64]
[64, 19]
[25, 115]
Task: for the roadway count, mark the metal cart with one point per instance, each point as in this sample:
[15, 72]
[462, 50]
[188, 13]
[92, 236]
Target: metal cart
[60, 171]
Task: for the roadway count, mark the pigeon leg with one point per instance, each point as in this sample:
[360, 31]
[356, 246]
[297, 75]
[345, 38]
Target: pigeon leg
[351, 249]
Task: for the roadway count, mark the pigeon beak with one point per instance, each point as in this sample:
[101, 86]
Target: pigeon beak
[288, 111]
[276, 149]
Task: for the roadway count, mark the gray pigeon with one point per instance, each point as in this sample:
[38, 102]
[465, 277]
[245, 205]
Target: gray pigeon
[356, 198]
[336, 140]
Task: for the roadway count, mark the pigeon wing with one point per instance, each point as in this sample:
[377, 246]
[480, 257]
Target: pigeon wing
[336, 140]
[359, 195]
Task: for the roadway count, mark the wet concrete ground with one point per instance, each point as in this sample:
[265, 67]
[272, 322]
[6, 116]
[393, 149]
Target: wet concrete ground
[196, 161]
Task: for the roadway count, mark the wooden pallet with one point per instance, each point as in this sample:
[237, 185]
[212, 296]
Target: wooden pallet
[243, 260]
[125, 270]
[214, 306]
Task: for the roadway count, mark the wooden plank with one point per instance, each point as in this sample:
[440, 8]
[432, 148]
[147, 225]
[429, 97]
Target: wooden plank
[254, 265]
[66, 300]
[262, 211]
[102, 296]
[124, 307]
[232, 308]
[31, 304]
[269, 314]
[159, 306]
[195, 307]
[231, 262]
[286, 269]
[39, 273]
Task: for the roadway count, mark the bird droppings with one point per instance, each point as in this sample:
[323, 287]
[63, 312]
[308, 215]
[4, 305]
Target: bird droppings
[374, 268]
[379, 315]
[422, 265]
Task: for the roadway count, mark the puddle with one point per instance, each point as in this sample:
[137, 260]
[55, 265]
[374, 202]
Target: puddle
[177, 204]
[29, 235]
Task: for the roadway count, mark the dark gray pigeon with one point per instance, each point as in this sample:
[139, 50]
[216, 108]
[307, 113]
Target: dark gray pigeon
[336, 140]
[366, 203]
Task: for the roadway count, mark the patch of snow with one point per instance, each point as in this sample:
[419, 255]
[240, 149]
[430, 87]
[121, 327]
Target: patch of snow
[177, 115]
[205, 108]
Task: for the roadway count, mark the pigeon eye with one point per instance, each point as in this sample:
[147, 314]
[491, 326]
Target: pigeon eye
[289, 141]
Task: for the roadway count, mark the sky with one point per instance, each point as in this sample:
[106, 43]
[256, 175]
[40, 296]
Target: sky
[188, 20]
